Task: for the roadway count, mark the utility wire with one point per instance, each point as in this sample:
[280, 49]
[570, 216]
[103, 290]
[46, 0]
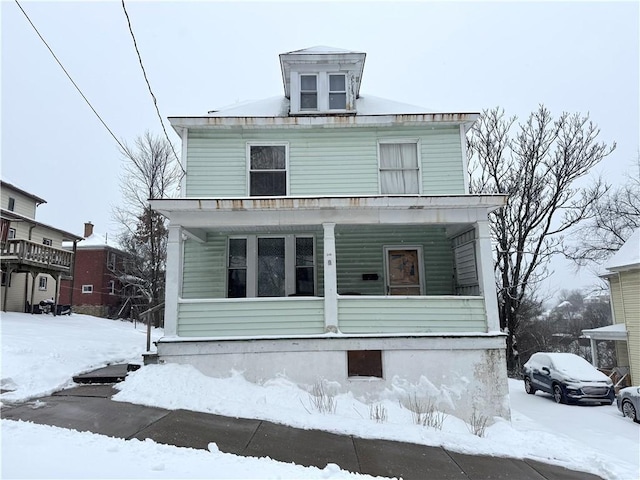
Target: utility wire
[155, 102]
[69, 76]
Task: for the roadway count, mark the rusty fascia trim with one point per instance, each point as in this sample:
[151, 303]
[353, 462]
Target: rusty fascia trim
[325, 121]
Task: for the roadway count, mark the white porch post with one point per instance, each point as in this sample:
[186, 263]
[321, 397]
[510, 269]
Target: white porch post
[173, 280]
[594, 352]
[330, 279]
[486, 277]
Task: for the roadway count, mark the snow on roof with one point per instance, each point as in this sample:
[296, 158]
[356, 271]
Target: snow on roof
[279, 107]
[95, 240]
[628, 255]
[320, 49]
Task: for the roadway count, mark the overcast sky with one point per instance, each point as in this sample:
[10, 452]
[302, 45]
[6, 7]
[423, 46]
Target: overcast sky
[450, 57]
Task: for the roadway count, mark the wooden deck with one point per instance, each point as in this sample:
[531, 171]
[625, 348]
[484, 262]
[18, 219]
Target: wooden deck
[25, 255]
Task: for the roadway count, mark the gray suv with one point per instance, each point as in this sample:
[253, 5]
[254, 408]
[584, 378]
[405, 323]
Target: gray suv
[568, 377]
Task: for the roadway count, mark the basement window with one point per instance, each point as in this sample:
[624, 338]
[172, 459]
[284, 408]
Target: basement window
[364, 363]
[87, 288]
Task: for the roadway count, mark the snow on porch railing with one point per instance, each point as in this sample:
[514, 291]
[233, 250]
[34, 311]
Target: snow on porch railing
[28, 251]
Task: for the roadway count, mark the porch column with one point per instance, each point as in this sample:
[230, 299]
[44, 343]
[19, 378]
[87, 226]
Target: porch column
[330, 279]
[594, 351]
[173, 277]
[33, 288]
[486, 277]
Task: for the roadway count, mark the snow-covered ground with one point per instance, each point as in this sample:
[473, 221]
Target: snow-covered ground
[40, 353]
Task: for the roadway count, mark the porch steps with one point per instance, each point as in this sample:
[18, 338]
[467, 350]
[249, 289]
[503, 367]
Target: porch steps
[108, 374]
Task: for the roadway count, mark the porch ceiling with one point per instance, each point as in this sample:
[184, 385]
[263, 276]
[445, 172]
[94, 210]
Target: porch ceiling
[299, 211]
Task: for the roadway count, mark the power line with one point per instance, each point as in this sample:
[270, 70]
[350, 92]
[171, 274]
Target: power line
[69, 76]
[155, 102]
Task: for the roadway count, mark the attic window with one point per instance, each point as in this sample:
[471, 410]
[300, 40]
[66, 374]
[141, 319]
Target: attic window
[12, 204]
[308, 92]
[337, 92]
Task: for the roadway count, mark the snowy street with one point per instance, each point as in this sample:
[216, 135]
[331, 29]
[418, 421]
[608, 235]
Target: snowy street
[40, 353]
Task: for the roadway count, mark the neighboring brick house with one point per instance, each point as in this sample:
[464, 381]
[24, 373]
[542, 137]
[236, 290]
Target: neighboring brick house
[32, 259]
[95, 288]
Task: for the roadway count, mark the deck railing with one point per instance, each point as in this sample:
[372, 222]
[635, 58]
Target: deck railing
[37, 253]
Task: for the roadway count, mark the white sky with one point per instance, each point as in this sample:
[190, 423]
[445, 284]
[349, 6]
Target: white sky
[41, 353]
[454, 56]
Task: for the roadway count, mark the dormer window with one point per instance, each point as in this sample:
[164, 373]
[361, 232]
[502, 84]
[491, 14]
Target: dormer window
[337, 92]
[309, 92]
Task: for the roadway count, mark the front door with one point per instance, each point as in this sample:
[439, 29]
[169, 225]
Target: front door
[404, 271]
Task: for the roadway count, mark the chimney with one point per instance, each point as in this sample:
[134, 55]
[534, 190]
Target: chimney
[88, 229]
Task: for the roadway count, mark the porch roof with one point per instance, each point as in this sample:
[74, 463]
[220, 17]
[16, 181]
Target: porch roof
[610, 332]
[298, 211]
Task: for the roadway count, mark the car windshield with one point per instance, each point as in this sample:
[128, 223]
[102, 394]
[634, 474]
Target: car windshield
[576, 366]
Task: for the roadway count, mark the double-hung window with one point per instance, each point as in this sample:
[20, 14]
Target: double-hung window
[42, 283]
[308, 92]
[399, 167]
[270, 266]
[267, 170]
[337, 92]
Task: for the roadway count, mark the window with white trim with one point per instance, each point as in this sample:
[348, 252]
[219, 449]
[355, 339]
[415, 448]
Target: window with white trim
[308, 92]
[399, 167]
[337, 92]
[12, 233]
[267, 170]
[112, 287]
[87, 288]
[42, 283]
[111, 260]
[271, 266]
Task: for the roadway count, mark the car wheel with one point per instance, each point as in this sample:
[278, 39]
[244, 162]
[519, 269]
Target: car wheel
[558, 394]
[530, 389]
[629, 411]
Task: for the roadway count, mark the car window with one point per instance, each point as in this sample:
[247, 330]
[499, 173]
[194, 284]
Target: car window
[543, 361]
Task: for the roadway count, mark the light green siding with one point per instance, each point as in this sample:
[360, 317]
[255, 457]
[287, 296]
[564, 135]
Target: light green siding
[322, 161]
[361, 250]
[23, 204]
[411, 315]
[358, 251]
[287, 316]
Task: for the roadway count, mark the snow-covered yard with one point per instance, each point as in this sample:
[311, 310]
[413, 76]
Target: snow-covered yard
[40, 353]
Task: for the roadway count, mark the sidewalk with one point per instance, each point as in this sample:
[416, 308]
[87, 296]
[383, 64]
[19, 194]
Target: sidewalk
[89, 408]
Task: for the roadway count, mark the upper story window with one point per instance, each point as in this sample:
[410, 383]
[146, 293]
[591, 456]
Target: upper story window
[337, 92]
[47, 241]
[399, 167]
[12, 204]
[319, 92]
[12, 233]
[268, 170]
[111, 260]
[308, 92]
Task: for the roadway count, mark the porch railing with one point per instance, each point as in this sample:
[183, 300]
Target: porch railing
[22, 251]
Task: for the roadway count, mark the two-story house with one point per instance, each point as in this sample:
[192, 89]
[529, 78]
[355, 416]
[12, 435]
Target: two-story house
[325, 234]
[96, 287]
[32, 259]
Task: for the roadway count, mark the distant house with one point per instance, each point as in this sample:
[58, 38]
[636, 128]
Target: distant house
[32, 259]
[96, 288]
[623, 275]
[325, 234]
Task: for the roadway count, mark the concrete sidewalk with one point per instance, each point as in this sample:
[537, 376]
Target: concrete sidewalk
[89, 408]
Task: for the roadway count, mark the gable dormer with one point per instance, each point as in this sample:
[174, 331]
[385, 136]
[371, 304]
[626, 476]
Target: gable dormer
[322, 80]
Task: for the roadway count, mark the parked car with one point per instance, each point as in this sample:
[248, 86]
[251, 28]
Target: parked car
[568, 377]
[628, 401]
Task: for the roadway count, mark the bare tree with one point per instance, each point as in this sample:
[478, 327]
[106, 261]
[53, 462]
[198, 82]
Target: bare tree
[150, 171]
[537, 167]
[613, 219]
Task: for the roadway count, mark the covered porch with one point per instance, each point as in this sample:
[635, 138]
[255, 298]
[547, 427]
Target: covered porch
[357, 266]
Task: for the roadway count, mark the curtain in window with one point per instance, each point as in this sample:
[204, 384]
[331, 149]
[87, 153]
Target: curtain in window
[399, 168]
